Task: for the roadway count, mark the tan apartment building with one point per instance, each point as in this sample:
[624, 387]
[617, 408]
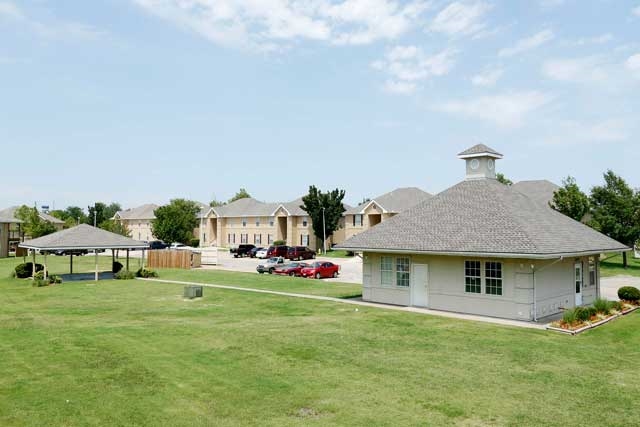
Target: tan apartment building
[138, 221]
[15, 232]
[377, 210]
[249, 221]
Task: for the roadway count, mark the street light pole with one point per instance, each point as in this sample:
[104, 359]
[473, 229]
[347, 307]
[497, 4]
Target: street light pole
[324, 234]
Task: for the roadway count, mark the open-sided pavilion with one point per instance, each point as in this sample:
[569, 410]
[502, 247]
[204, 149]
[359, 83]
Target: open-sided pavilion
[82, 237]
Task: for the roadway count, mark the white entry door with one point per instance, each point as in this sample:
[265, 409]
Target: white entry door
[419, 284]
[578, 283]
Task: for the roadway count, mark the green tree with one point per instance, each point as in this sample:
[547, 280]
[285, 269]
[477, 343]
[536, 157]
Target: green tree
[176, 221]
[241, 194]
[215, 203]
[503, 179]
[102, 212]
[33, 225]
[313, 204]
[615, 210]
[114, 226]
[75, 215]
[570, 200]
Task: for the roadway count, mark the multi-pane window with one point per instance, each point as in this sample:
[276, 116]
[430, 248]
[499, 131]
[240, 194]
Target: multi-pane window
[386, 270]
[592, 272]
[257, 222]
[472, 278]
[271, 222]
[257, 239]
[269, 239]
[231, 238]
[357, 220]
[305, 221]
[244, 222]
[493, 278]
[244, 238]
[304, 240]
[402, 271]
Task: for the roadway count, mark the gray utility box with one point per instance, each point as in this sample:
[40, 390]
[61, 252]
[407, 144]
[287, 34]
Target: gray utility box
[193, 291]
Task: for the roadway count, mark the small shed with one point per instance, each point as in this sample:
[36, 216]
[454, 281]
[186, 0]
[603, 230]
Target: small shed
[83, 237]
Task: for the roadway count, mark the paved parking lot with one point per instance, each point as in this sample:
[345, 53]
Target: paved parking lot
[350, 268]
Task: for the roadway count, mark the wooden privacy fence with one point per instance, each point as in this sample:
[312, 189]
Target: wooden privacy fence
[174, 259]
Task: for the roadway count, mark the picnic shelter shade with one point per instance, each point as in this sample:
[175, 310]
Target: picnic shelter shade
[83, 237]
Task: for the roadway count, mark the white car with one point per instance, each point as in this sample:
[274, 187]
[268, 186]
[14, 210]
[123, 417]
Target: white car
[262, 253]
[180, 246]
[270, 265]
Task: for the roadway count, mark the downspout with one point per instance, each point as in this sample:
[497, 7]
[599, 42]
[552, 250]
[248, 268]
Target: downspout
[533, 272]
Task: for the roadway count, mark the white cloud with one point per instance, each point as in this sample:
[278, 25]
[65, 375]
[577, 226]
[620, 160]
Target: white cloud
[601, 39]
[52, 30]
[506, 110]
[528, 43]
[570, 132]
[461, 19]
[407, 65]
[269, 23]
[488, 77]
[576, 70]
[399, 87]
[633, 64]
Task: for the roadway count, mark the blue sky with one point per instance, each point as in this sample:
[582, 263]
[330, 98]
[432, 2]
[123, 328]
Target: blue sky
[141, 101]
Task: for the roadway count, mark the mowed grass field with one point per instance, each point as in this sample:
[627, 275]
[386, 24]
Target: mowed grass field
[135, 353]
[612, 266]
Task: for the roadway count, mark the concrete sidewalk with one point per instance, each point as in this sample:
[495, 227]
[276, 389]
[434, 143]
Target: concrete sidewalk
[359, 302]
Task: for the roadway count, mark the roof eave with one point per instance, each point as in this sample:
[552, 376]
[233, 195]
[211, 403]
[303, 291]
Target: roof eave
[484, 154]
[59, 248]
[487, 254]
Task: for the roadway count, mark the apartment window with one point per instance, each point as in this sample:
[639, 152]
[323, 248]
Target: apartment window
[244, 238]
[269, 239]
[493, 278]
[357, 220]
[386, 270]
[257, 239]
[305, 221]
[231, 238]
[402, 272]
[472, 278]
[257, 222]
[304, 240]
[271, 222]
[204, 237]
[244, 222]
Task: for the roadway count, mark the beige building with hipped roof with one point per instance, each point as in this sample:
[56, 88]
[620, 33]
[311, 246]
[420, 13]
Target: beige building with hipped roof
[485, 248]
[138, 221]
[249, 221]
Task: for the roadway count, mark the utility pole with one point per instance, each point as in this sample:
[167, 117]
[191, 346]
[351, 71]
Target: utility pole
[324, 234]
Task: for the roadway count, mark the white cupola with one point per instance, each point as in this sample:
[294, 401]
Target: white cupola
[481, 162]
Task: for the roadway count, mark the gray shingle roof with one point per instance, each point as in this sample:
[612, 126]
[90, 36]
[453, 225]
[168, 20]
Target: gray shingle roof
[83, 236]
[249, 207]
[11, 213]
[540, 191]
[483, 217]
[5, 220]
[395, 201]
[141, 212]
[479, 149]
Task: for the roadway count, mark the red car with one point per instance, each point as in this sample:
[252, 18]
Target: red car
[292, 269]
[320, 270]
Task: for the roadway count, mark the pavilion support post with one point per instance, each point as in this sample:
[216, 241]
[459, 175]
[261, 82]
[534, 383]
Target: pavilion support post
[46, 272]
[127, 259]
[96, 265]
[143, 251]
[113, 258]
[71, 264]
[33, 268]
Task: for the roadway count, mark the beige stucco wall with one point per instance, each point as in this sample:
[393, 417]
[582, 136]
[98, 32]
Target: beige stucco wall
[139, 229]
[351, 230]
[554, 286]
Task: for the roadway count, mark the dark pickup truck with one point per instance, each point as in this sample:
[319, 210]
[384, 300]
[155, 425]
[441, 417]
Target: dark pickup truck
[241, 251]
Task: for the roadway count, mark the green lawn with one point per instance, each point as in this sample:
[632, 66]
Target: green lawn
[613, 266]
[265, 281]
[135, 353]
[336, 254]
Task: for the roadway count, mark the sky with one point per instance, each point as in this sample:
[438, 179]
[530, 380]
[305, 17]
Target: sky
[143, 101]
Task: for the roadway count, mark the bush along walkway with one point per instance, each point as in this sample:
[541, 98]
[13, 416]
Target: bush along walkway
[359, 302]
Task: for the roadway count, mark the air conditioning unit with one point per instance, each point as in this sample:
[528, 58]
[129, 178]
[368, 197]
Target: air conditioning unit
[193, 291]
